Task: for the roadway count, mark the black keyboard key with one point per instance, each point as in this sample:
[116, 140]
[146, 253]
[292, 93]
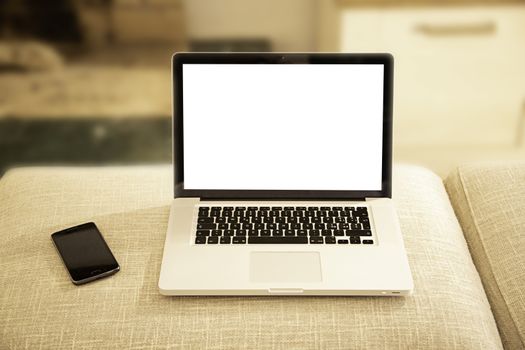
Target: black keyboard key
[277, 240]
[325, 208]
[366, 226]
[316, 240]
[329, 240]
[265, 233]
[200, 240]
[278, 233]
[205, 220]
[355, 240]
[203, 233]
[277, 208]
[342, 241]
[314, 233]
[264, 208]
[235, 226]
[213, 240]
[339, 233]
[217, 233]
[367, 241]
[223, 226]
[253, 233]
[206, 226]
[240, 232]
[289, 232]
[358, 232]
[225, 240]
[337, 208]
[302, 233]
[239, 240]
[326, 232]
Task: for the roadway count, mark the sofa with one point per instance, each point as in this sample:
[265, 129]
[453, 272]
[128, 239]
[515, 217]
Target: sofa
[464, 236]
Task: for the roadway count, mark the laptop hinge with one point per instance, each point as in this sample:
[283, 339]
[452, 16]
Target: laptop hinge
[284, 199]
[377, 199]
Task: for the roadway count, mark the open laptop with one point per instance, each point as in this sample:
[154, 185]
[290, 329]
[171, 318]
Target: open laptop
[282, 174]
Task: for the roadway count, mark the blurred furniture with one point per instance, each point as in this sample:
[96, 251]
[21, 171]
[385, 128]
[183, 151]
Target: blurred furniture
[459, 73]
[450, 308]
[98, 91]
[230, 45]
[85, 114]
[132, 22]
[149, 21]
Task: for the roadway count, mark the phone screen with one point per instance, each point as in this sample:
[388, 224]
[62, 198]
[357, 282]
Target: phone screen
[85, 253]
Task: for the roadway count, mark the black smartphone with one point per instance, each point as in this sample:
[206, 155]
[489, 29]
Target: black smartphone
[85, 253]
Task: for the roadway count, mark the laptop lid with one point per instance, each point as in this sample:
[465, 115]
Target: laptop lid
[282, 125]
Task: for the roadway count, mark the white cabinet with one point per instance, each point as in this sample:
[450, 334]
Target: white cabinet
[459, 71]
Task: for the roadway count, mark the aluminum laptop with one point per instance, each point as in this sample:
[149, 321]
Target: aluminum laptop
[282, 177]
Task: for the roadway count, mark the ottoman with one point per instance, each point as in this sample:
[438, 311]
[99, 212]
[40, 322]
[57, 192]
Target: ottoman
[41, 309]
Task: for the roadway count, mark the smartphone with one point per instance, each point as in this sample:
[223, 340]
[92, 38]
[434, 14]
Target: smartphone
[85, 253]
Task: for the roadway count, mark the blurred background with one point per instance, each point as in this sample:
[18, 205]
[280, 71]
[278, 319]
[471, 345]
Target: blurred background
[88, 81]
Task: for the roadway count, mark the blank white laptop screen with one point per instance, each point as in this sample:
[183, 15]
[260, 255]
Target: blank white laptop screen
[283, 126]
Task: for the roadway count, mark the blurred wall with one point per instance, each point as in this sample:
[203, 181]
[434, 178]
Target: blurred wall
[289, 24]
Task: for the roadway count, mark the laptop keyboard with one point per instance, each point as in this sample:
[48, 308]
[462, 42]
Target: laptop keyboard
[283, 225]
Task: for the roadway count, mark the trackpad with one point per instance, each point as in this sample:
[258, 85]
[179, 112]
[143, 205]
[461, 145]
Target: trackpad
[285, 267]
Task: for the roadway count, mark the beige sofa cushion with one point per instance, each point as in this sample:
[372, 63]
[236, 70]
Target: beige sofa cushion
[489, 200]
[40, 308]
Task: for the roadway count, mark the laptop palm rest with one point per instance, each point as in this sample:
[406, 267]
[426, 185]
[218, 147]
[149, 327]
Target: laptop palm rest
[285, 267]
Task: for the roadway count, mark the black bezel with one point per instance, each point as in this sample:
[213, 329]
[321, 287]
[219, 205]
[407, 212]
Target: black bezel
[281, 58]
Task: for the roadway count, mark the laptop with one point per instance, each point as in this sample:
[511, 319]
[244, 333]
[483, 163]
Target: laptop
[282, 177]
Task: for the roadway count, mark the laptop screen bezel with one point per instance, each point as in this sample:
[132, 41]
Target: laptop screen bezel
[179, 59]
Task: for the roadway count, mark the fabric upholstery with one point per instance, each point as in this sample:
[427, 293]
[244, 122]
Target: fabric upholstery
[41, 309]
[489, 200]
